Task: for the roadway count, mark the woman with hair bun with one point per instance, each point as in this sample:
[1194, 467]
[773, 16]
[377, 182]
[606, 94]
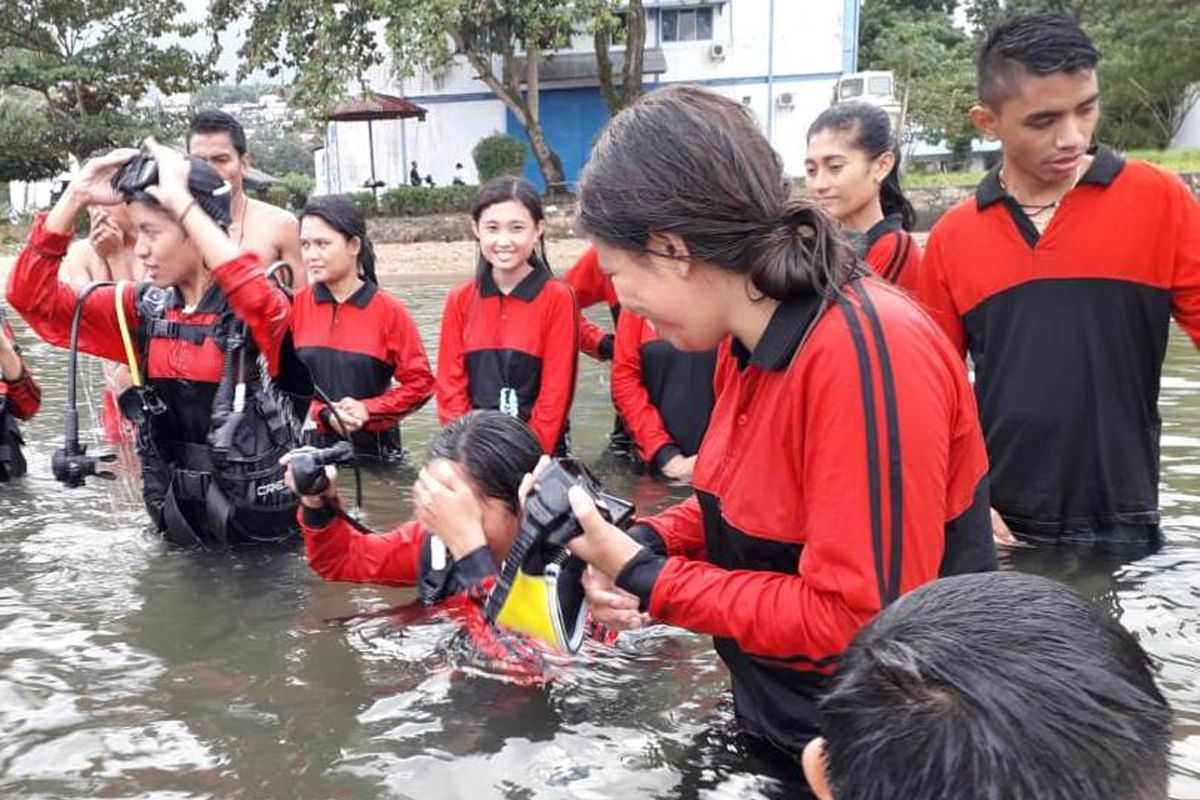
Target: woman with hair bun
[358, 341]
[843, 463]
[853, 168]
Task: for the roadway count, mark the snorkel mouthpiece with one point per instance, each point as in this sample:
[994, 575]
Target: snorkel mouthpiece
[540, 591]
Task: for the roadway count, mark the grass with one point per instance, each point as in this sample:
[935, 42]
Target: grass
[1174, 160]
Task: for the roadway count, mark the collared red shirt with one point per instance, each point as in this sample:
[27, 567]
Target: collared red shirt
[1067, 331]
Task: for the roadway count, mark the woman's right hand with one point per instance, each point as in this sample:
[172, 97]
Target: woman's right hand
[611, 605]
[314, 500]
[680, 468]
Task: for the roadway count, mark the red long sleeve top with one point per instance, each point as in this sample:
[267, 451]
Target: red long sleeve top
[191, 365]
[1067, 330]
[892, 253]
[367, 348]
[843, 465]
[592, 286]
[664, 395]
[525, 342]
[23, 396]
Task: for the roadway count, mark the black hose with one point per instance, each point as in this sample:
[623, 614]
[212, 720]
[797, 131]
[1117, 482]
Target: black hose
[71, 428]
[342, 426]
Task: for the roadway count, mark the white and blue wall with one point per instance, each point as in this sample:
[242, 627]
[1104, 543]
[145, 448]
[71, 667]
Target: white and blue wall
[772, 49]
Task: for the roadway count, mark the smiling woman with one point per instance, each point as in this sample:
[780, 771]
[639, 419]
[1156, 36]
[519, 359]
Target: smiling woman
[510, 336]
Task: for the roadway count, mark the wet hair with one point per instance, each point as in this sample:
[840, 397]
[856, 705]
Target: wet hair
[344, 216]
[501, 190]
[496, 450]
[997, 685]
[690, 162]
[1031, 44]
[212, 120]
[869, 129]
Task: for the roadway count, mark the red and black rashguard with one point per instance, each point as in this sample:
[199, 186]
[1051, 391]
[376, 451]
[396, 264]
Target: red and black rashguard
[1067, 331]
[403, 557]
[183, 363]
[592, 286]
[367, 348]
[665, 395]
[892, 252]
[843, 466]
[515, 353]
[23, 397]
[19, 400]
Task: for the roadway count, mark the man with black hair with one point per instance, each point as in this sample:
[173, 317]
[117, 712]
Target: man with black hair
[1060, 277]
[997, 685]
[269, 232]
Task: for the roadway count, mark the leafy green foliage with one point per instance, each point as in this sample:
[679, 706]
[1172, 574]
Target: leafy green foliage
[280, 152]
[92, 61]
[498, 154]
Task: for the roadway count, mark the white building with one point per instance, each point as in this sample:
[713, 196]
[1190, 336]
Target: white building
[779, 57]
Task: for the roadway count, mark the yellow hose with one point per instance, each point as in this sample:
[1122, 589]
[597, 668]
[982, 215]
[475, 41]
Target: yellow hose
[126, 339]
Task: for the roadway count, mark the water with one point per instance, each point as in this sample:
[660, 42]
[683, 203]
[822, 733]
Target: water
[127, 670]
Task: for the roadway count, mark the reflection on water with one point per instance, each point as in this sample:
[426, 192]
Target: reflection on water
[130, 671]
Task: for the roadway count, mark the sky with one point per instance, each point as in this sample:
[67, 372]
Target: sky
[197, 11]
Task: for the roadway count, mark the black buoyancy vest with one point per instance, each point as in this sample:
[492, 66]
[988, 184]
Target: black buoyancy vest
[235, 477]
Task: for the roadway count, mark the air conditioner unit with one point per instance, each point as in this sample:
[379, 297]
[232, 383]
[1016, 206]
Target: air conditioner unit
[716, 51]
[785, 100]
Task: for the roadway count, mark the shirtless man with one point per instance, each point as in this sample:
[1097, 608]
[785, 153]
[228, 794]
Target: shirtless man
[107, 254]
[269, 232]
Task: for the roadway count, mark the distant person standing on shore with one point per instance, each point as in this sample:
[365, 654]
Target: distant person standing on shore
[458, 179]
[414, 175]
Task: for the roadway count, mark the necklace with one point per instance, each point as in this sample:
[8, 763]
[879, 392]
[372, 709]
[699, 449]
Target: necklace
[242, 221]
[1037, 209]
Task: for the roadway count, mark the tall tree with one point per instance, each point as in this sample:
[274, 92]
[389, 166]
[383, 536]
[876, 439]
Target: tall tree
[29, 150]
[331, 46]
[612, 23]
[91, 61]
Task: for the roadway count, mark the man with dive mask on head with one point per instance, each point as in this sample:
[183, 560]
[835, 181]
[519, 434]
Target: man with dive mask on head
[484, 538]
[208, 432]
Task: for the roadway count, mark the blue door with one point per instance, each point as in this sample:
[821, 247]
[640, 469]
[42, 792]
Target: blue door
[571, 120]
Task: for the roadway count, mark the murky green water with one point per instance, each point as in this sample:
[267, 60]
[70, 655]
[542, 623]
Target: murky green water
[127, 670]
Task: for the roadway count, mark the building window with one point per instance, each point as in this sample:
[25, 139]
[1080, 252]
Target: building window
[687, 24]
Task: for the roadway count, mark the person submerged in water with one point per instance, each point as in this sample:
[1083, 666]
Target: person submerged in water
[468, 513]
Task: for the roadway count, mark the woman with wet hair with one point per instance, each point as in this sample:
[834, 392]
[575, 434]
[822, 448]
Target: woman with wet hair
[853, 168]
[510, 336]
[467, 493]
[843, 463]
[209, 471]
[358, 340]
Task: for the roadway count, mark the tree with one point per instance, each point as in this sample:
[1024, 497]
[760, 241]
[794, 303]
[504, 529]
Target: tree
[502, 41]
[92, 61]
[279, 153]
[29, 151]
[609, 25]
[933, 64]
[879, 16]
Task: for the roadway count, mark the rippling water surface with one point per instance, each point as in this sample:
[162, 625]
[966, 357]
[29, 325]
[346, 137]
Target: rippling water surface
[127, 670]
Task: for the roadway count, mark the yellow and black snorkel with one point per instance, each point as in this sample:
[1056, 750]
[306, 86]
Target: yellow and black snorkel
[540, 591]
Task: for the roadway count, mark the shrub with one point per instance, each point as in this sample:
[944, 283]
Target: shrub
[365, 201]
[499, 154]
[409, 201]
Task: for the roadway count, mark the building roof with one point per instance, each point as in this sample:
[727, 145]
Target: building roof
[375, 106]
[582, 66]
